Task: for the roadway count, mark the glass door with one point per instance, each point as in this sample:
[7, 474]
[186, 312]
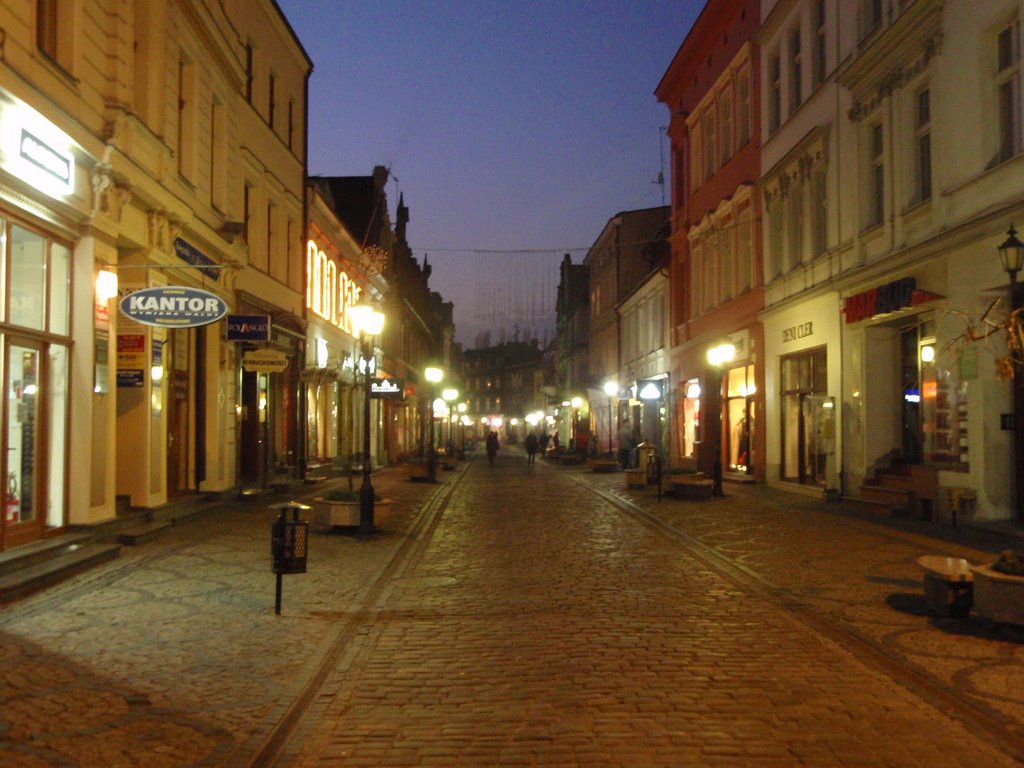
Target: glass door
[22, 521]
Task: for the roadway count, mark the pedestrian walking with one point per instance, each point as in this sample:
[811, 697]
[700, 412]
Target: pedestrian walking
[492, 446]
[531, 448]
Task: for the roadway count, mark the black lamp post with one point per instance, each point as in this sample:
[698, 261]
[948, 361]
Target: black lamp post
[434, 376]
[718, 357]
[611, 389]
[367, 322]
[1011, 252]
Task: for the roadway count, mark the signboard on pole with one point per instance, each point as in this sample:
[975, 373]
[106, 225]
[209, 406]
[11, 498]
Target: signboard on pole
[264, 361]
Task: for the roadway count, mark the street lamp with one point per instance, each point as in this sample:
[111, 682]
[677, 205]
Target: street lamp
[367, 322]
[462, 408]
[434, 376]
[1011, 252]
[718, 357]
[611, 388]
[450, 395]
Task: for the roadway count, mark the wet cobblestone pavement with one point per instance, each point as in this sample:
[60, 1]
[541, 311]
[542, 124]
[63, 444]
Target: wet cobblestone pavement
[516, 615]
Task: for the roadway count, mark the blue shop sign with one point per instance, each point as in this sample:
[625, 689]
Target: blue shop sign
[248, 328]
[173, 306]
[189, 253]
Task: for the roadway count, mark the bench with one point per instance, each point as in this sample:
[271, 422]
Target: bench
[636, 478]
[603, 465]
[948, 585]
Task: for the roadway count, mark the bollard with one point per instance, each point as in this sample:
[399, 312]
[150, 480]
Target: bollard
[289, 544]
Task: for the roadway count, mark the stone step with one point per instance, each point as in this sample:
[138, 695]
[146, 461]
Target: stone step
[142, 532]
[69, 560]
[39, 551]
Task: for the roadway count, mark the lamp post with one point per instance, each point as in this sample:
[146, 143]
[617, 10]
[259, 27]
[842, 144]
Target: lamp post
[461, 408]
[450, 395]
[1011, 252]
[367, 323]
[611, 388]
[718, 357]
[434, 376]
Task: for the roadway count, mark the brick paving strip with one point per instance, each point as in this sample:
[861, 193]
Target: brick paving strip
[544, 627]
[509, 617]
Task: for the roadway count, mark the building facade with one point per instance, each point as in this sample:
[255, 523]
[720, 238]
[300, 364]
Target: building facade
[712, 89]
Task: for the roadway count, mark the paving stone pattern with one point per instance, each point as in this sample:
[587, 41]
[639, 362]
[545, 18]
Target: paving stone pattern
[543, 616]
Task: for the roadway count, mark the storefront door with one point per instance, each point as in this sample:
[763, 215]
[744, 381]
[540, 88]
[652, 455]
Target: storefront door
[21, 444]
[176, 361]
[254, 427]
[804, 382]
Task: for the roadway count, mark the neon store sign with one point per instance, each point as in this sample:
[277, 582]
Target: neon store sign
[330, 292]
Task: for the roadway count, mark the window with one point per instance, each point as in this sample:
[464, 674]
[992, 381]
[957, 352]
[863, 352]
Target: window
[725, 127]
[186, 117]
[871, 16]
[819, 211]
[819, 68]
[246, 212]
[46, 27]
[271, 103]
[291, 124]
[709, 143]
[696, 177]
[218, 155]
[1008, 86]
[708, 292]
[742, 108]
[775, 236]
[795, 84]
[696, 261]
[924, 146]
[774, 93]
[248, 72]
[876, 177]
[744, 250]
[727, 259]
[794, 225]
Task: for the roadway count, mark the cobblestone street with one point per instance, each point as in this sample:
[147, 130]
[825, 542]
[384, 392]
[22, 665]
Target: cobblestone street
[517, 615]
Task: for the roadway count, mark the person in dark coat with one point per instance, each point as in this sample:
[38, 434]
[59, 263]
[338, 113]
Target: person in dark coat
[492, 446]
[531, 447]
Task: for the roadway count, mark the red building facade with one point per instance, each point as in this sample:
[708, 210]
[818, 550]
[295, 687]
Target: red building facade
[712, 91]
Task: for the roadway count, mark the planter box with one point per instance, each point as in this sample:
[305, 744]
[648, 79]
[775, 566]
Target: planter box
[417, 471]
[636, 478]
[691, 487]
[998, 596]
[603, 465]
[345, 514]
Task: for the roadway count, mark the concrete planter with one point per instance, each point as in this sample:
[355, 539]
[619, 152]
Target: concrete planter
[345, 514]
[418, 471]
[998, 596]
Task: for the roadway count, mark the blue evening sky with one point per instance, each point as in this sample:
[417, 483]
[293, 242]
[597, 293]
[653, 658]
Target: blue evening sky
[510, 126]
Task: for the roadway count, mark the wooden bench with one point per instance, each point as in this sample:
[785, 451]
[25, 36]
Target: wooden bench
[636, 478]
[691, 487]
[603, 465]
[948, 585]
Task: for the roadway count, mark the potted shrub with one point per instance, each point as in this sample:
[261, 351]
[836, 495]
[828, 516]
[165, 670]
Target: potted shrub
[340, 508]
[999, 589]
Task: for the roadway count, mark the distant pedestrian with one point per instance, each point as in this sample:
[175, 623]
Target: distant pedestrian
[531, 448]
[545, 438]
[492, 446]
[625, 444]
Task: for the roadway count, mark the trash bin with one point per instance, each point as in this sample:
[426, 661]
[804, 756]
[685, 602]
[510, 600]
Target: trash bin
[645, 454]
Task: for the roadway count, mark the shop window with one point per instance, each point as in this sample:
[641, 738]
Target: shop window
[740, 415]
[27, 279]
[804, 376]
[689, 419]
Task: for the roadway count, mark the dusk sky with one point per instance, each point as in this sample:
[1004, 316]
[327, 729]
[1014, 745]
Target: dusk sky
[514, 130]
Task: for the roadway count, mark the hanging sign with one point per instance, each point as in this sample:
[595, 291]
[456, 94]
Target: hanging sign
[173, 306]
[388, 388]
[248, 328]
[264, 361]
